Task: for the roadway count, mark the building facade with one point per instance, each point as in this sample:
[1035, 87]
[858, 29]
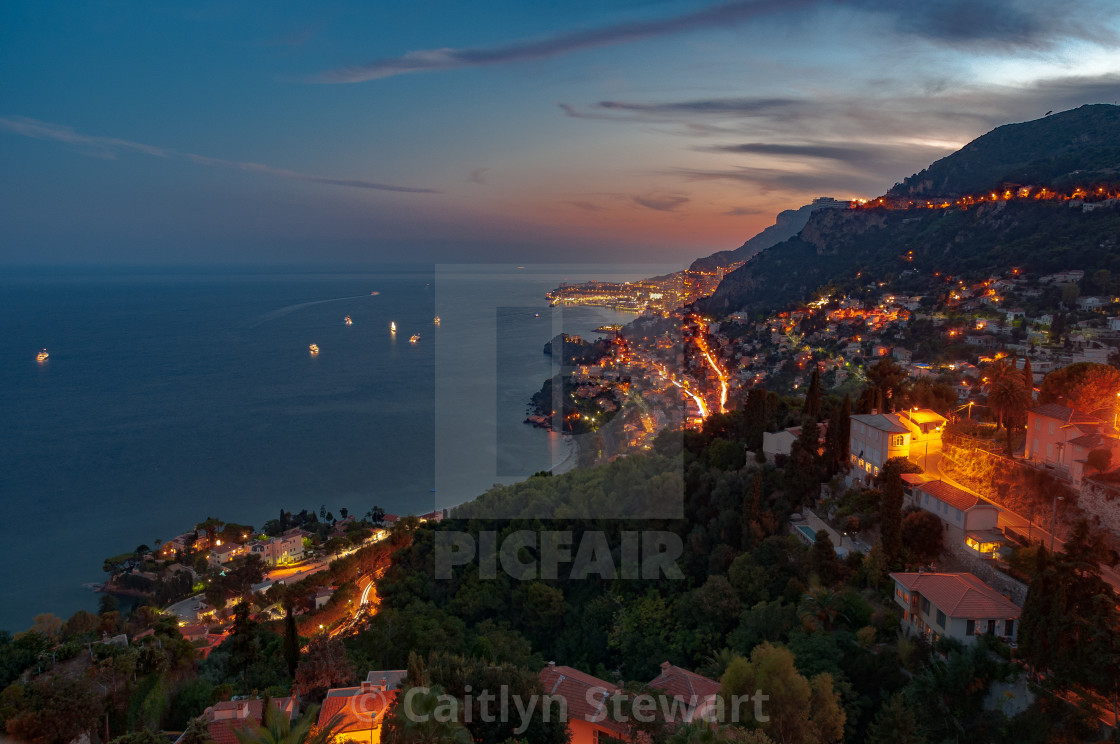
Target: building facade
[953, 605]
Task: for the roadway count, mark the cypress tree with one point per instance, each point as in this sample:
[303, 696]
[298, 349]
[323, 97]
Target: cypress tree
[813, 396]
[291, 639]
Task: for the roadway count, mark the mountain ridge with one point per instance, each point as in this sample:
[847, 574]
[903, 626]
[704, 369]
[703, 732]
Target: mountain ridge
[849, 248]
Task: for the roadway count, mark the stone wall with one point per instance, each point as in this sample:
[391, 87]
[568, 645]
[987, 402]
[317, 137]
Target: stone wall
[1101, 504]
[966, 560]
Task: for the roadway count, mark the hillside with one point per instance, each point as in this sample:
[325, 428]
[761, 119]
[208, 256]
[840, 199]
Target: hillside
[1080, 146]
[786, 225]
[854, 247]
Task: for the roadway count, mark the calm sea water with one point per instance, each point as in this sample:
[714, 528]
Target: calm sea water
[170, 397]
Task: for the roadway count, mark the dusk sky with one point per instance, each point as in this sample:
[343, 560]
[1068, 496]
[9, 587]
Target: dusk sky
[225, 131]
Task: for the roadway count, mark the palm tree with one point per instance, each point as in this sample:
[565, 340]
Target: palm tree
[999, 375]
[276, 728]
[421, 719]
[1010, 396]
[715, 665]
[820, 607]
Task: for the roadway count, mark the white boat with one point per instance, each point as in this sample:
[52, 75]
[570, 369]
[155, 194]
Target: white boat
[349, 321]
[393, 327]
[314, 349]
[42, 356]
[436, 321]
[415, 338]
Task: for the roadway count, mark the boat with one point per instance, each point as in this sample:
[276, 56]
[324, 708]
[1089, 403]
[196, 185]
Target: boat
[436, 321]
[314, 349]
[374, 294]
[42, 356]
[392, 327]
[348, 321]
[415, 338]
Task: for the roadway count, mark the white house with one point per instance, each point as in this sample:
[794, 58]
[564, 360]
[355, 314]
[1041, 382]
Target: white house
[965, 517]
[876, 438]
[781, 442]
[286, 548]
[1061, 438]
[957, 605]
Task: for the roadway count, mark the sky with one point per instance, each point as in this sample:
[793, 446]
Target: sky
[220, 131]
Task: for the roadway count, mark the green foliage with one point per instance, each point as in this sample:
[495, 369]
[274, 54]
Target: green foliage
[55, 709]
[798, 709]
[1084, 386]
[922, 535]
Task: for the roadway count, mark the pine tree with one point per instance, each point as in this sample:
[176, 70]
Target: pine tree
[1028, 376]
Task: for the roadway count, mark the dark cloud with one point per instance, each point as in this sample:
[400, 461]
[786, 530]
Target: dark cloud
[661, 202]
[586, 206]
[1003, 23]
[520, 51]
[744, 212]
[108, 147]
[720, 106]
[772, 179]
[998, 23]
[845, 153]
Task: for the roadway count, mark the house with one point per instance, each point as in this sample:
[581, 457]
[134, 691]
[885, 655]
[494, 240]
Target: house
[876, 438]
[1093, 302]
[226, 718]
[965, 517]
[361, 710]
[925, 425]
[226, 552]
[194, 632]
[956, 605]
[1063, 277]
[699, 696]
[586, 700]
[902, 355]
[781, 442]
[279, 550]
[1061, 438]
[322, 596]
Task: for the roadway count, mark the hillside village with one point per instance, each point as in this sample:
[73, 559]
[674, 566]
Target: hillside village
[896, 495]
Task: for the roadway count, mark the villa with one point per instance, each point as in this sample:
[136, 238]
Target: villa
[361, 710]
[954, 605]
[586, 700]
[965, 517]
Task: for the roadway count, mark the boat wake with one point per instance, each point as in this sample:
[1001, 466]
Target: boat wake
[262, 319]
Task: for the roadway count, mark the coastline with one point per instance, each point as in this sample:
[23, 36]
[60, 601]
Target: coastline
[571, 459]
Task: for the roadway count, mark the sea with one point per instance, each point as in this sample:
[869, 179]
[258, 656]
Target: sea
[173, 395]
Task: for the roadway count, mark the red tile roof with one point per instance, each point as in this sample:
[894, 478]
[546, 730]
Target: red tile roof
[223, 719]
[953, 496]
[959, 595]
[688, 687]
[357, 710]
[1063, 413]
[579, 689]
